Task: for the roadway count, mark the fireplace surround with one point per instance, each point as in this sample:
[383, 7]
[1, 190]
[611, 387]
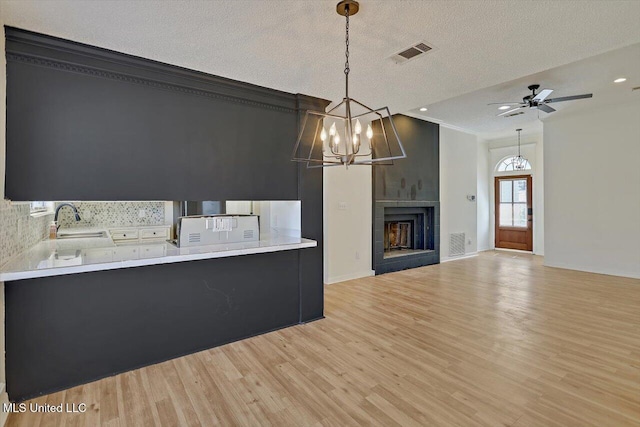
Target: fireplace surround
[406, 201]
[406, 235]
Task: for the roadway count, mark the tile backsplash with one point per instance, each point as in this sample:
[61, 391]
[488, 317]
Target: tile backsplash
[19, 230]
[113, 214]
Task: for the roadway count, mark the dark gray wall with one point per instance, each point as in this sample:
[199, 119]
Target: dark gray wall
[413, 182]
[417, 177]
[68, 330]
[85, 123]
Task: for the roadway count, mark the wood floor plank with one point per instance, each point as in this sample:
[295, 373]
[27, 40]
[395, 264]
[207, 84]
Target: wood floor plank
[495, 340]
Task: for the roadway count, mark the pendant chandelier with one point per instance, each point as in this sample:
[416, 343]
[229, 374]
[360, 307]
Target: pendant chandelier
[349, 133]
[519, 162]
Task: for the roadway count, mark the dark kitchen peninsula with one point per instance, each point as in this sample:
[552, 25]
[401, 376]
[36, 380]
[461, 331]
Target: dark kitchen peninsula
[103, 125]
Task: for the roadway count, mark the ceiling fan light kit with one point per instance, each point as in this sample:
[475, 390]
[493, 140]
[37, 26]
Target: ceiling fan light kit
[536, 101]
[350, 133]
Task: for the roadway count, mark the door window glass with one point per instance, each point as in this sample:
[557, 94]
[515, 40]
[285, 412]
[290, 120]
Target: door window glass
[513, 202]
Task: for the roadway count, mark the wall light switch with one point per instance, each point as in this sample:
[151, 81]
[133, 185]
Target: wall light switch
[342, 206]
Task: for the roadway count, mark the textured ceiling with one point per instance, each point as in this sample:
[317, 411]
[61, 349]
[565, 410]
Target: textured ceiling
[592, 75]
[298, 46]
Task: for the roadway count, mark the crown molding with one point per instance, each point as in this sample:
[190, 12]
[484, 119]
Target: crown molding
[35, 49]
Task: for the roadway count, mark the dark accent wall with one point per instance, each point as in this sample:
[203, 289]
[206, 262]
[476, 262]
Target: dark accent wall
[413, 182]
[67, 330]
[85, 123]
[416, 177]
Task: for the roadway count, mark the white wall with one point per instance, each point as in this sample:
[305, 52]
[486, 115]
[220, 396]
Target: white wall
[538, 198]
[347, 223]
[592, 202]
[532, 148]
[482, 196]
[458, 178]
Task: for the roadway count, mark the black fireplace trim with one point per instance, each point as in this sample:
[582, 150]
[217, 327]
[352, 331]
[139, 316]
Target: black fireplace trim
[383, 265]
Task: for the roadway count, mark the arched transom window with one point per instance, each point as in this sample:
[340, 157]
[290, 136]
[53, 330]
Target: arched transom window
[509, 164]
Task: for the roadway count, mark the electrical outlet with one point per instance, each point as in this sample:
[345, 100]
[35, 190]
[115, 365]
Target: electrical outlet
[142, 213]
[357, 255]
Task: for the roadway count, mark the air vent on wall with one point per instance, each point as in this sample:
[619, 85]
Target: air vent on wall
[410, 53]
[456, 244]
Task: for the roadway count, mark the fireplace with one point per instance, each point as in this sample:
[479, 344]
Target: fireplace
[397, 235]
[407, 230]
[405, 235]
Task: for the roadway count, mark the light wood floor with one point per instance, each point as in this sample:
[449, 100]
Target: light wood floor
[496, 340]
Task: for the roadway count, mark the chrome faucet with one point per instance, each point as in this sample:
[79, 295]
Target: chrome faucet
[62, 205]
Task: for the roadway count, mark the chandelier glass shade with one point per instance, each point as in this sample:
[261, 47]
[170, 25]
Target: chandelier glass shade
[350, 133]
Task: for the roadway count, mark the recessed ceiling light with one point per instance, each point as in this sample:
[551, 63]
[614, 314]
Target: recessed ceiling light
[423, 109]
[620, 80]
[504, 107]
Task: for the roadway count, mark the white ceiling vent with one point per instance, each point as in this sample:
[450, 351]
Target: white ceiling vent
[515, 114]
[412, 52]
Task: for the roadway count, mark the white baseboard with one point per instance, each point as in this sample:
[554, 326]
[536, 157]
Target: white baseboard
[350, 276]
[590, 269]
[465, 256]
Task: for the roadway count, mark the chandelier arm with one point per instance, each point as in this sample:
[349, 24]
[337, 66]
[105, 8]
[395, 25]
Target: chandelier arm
[395, 132]
[315, 135]
[364, 106]
[379, 159]
[343, 101]
[313, 144]
[295, 147]
[325, 165]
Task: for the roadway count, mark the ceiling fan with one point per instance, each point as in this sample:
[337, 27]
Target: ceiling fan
[538, 101]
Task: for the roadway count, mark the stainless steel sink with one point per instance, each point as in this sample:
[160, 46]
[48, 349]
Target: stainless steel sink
[81, 234]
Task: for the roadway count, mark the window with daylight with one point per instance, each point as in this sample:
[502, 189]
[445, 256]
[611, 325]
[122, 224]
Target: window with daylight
[513, 203]
[41, 208]
[509, 165]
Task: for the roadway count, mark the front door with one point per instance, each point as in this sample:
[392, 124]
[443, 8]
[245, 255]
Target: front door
[514, 213]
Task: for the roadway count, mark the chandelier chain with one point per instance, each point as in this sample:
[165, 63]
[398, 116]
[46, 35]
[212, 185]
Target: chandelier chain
[346, 42]
[519, 144]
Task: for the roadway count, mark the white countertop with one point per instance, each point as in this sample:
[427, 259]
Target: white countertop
[69, 256]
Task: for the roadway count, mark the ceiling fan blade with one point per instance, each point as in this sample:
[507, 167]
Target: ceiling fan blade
[505, 103]
[509, 111]
[546, 108]
[569, 98]
[542, 95]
